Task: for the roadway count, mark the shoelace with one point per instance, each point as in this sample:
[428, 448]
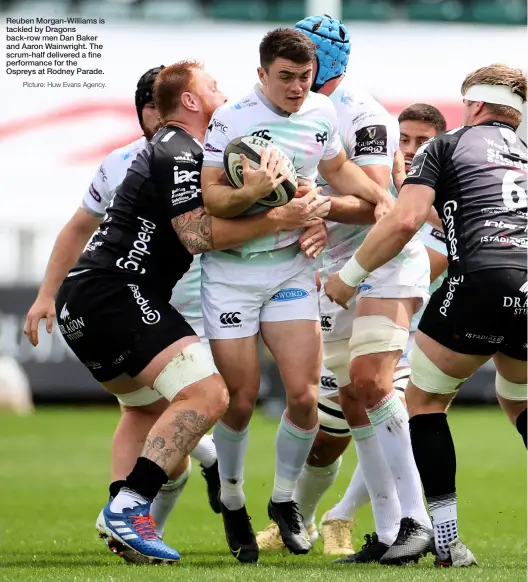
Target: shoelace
[371, 540]
[144, 524]
[292, 516]
[407, 528]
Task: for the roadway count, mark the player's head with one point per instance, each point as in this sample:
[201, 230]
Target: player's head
[497, 93]
[185, 91]
[286, 67]
[332, 47]
[418, 123]
[147, 113]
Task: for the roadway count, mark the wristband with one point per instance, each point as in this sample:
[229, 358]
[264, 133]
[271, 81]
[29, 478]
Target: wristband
[352, 273]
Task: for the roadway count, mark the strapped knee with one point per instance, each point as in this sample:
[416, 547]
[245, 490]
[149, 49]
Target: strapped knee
[141, 397]
[373, 334]
[509, 390]
[427, 376]
[192, 364]
[337, 359]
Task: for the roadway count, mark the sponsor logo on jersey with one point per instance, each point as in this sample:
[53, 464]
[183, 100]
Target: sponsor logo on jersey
[150, 316]
[417, 166]
[139, 248]
[371, 140]
[102, 173]
[506, 240]
[438, 234]
[244, 104]
[506, 149]
[186, 158]
[495, 157]
[231, 319]
[263, 133]
[210, 148]
[500, 224]
[215, 124]
[452, 284]
[64, 314]
[182, 176]
[94, 194]
[321, 138]
[449, 222]
[364, 287]
[182, 195]
[291, 294]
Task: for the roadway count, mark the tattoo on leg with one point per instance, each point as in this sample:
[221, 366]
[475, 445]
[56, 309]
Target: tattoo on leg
[186, 428]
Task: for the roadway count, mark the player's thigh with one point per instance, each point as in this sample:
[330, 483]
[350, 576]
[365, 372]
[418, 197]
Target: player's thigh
[238, 362]
[296, 347]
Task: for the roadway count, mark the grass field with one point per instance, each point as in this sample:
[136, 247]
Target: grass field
[54, 478]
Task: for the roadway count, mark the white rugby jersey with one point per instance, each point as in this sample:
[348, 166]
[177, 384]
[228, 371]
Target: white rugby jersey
[186, 296]
[370, 136]
[306, 137]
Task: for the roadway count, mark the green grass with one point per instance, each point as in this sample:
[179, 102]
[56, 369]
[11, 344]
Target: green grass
[54, 477]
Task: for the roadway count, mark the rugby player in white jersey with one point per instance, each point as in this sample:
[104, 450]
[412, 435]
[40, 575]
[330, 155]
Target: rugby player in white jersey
[418, 123]
[137, 416]
[268, 285]
[362, 346]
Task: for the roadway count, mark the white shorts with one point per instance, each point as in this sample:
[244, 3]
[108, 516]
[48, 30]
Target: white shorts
[198, 325]
[239, 293]
[406, 276]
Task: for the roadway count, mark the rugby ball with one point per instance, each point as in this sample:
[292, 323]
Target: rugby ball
[251, 146]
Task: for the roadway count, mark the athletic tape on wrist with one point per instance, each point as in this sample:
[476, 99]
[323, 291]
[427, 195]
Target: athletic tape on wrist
[352, 273]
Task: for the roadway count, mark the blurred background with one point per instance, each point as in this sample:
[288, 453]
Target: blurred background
[52, 140]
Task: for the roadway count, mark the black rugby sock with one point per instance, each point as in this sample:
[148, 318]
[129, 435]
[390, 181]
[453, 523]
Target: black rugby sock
[146, 478]
[115, 487]
[520, 423]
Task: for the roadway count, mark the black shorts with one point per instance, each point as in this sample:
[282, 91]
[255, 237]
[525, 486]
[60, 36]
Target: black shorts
[480, 313]
[116, 324]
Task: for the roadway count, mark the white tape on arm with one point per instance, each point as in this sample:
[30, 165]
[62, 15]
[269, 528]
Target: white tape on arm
[352, 273]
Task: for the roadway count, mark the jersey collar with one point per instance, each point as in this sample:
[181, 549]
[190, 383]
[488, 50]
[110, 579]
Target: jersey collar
[268, 103]
[497, 124]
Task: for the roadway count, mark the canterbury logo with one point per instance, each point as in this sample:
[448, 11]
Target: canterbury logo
[329, 382]
[230, 318]
[524, 288]
[326, 321]
[64, 314]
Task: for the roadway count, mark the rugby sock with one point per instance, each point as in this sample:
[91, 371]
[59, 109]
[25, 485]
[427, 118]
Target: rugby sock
[140, 487]
[521, 423]
[115, 487]
[293, 446]
[378, 484]
[205, 452]
[231, 448]
[311, 486]
[391, 421]
[166, 499]
[355, 497]
[434, 452]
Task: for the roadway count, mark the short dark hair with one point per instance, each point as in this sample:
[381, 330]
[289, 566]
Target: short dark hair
[171, 83]
[425, 113]
[286, 43]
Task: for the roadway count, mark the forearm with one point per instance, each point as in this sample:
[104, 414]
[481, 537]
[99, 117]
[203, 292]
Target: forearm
[351, 180]
[238, 231]
[351, 210]
[66, 251]
[224, 201]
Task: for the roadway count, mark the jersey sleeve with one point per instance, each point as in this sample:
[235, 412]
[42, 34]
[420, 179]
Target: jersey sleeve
[376, 139]
[177, 183]
[429, 161]
[98, 196]
[217, 137]
[333, 144]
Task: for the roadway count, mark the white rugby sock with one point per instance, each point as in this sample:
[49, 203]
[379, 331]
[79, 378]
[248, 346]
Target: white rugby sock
[231, 448]
[378, 484]
[445, 523]
[311, 486]
[293, 447]
[391, 421]
[205, 451]
[126, 499]
[166, 499]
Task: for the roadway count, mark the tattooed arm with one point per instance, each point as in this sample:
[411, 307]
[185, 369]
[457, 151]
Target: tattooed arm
[199, 232]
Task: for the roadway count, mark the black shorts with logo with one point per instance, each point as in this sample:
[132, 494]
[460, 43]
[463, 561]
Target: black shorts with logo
[116, 324]
[481, 313]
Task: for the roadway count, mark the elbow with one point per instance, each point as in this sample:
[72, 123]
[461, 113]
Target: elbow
[407, 227]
